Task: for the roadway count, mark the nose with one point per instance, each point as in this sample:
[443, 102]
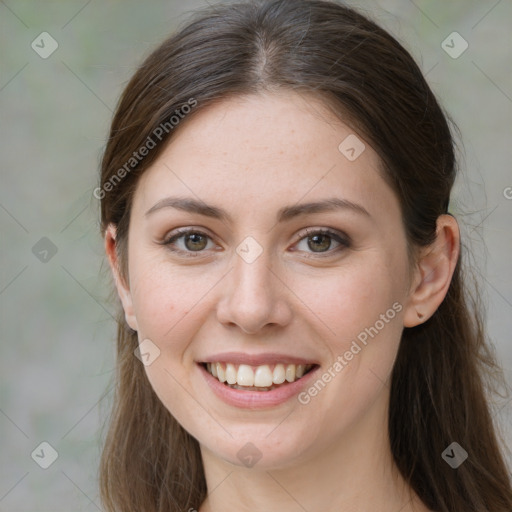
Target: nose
[254, 296]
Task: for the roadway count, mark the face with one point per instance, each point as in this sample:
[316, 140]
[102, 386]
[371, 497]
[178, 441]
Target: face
[299, 307]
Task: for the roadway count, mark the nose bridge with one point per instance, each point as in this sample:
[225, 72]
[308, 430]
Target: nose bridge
[254, 296]
[254, 276]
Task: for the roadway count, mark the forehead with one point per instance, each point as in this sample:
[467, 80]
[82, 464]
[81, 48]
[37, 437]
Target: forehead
[265, 151]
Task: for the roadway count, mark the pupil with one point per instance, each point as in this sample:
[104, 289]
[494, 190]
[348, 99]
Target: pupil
[325, 245]
[195, 238]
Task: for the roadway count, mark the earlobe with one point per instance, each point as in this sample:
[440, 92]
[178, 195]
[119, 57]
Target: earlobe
[123, 289]
[434, 273]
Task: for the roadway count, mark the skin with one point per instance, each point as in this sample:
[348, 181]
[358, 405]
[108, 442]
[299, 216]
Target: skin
[252, 156]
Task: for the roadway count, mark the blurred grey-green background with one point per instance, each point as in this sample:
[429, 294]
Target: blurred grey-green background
[57, 331]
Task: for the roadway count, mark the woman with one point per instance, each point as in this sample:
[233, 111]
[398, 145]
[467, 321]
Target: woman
[295, 333]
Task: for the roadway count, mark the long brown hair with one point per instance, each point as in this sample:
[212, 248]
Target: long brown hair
[444, 367]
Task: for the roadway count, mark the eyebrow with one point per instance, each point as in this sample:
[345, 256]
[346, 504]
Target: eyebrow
[192, 205]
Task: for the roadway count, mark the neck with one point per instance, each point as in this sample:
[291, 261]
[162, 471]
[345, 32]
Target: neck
[357, 474]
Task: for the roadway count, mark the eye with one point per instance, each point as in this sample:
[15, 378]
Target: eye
[188, 241]
[319, 241]
[192, 242]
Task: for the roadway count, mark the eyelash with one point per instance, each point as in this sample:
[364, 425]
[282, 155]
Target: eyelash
[343, 240]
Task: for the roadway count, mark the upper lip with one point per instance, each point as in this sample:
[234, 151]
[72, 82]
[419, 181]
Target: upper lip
[256, 359]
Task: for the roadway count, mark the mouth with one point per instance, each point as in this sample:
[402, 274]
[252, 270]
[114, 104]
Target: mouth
[261, 378]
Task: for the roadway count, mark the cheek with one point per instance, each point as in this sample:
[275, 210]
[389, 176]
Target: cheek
[362, 309]
[351, 299]
[360, 314]
[168, 304]
[163, 296]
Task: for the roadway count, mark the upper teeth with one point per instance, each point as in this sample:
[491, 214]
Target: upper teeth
[259, 376]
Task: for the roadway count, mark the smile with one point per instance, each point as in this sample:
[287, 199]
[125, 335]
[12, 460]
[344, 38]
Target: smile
[257, 378]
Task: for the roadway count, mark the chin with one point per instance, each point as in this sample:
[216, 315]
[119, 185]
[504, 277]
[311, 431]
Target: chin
[253, 448]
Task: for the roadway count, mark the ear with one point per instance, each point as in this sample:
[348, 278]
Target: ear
[434, 272]
[123, 289]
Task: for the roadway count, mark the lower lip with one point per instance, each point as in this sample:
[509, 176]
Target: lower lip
[256, 399]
